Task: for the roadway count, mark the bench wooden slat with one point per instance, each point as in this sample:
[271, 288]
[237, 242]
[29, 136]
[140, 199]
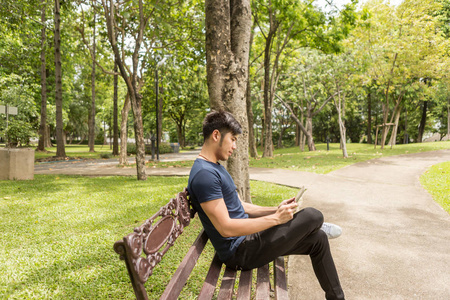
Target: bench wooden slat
[227, 287]
[209, 286]
[245, 285]
[180, 277]
[280, 282]
[263, 283]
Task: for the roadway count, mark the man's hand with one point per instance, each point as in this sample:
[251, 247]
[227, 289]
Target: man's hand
[287, 201]
[286, 211]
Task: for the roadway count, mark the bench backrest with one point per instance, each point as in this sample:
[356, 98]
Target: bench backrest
[153, 238]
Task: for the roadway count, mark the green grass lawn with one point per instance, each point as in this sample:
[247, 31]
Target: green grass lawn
[437, 181]
[58, 232]
[323, 161]
[76, 151]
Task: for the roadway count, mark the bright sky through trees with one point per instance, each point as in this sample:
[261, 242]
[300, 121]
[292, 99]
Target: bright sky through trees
[340, 3]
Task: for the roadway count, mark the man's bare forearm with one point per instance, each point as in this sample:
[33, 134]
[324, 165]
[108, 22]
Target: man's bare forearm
[256, 211]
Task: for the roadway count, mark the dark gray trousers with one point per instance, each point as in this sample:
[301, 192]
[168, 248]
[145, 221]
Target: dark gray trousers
[301, 235]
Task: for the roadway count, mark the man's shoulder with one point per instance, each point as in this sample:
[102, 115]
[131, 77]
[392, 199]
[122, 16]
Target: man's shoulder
[202, 168]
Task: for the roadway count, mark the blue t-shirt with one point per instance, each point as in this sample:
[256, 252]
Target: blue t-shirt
[209, 181]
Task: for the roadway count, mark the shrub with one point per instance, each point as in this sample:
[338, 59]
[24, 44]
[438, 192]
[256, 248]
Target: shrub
[106, 155]
[19, 133]
[163, 148]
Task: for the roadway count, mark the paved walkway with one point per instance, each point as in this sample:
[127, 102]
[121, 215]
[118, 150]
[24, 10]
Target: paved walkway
[396, 239]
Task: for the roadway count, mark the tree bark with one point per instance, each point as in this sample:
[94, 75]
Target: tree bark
[123, 131]
[448, 118]
[268, 99]
[133, 81]
[251, 131]
[60, 148]
[43, 123]
[48, 141]
[160, 117]
[115, 114]
[369, 118]
[386, 106]
[423, 121]
[393, 139]
[92, 112]
[309, 134]
[339, 103]
[228, 26]
[180, 134]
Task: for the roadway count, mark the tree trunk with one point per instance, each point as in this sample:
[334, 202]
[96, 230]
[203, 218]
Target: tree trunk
[123, 131]
[92, 112]
[43, 123]
[340, 107]
[302, 134]
[369, 119]
[133, 81]
[228, 26]
[343, 134]
[251, 131]
[180, 134]
[268, 99]
[47, 142]
[448, 118]
[309, 135]
[423, 121]
[393, 139]
[115, 114]
[280, 138]
[60, 149]
[386, 106]
[160, 117]
[136, 106]
[248, 99]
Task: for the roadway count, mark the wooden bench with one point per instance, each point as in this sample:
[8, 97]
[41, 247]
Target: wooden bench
[144, 248]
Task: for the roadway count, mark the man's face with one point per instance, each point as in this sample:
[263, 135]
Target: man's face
[227, 145]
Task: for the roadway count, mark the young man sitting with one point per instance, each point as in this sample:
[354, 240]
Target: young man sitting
[247, 236]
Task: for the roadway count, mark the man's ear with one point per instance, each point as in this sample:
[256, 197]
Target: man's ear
[216, 135]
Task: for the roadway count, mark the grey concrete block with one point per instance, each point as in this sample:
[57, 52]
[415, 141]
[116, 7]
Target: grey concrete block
[16, 164]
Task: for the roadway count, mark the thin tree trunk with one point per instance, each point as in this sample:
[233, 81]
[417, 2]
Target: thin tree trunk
[393, 139]
[423, 121]
[268, 100]
[180, 134]
[251, 131]
[248, 98]
[340, 107]
[309, 136]
[48, 141]
[60, 149]
[92, 112]
[160, 109]
[386, 107]
[369, 119]
[115, 113]
[406, 137]
[131, 78]
[124, 132]
[43, 123]
[448, 118]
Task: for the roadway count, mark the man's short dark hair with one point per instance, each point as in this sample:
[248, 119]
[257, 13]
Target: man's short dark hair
[222, 121]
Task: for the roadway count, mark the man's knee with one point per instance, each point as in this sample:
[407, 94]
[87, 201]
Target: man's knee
[313, 215]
